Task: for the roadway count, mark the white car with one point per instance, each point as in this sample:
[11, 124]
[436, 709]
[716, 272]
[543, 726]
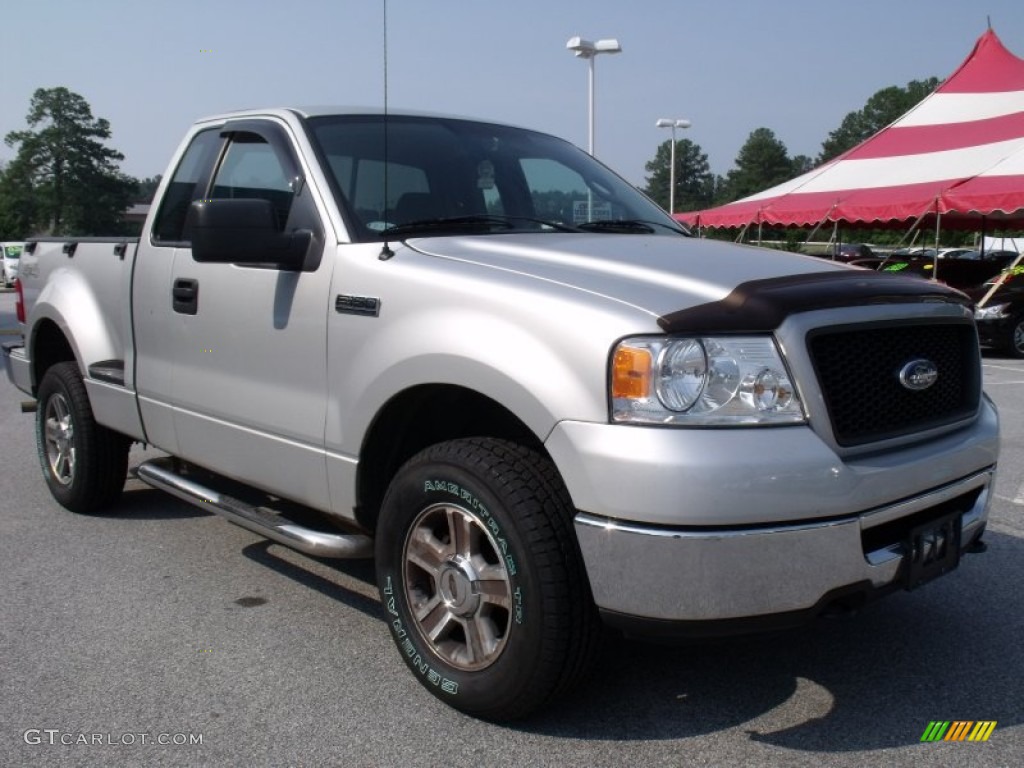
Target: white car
[968, 254]
[11, 253]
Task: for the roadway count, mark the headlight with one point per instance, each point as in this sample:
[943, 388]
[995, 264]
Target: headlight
[706, 381]
[992, 312]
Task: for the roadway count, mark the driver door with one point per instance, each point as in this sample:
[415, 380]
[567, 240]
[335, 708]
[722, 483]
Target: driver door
[249, 341]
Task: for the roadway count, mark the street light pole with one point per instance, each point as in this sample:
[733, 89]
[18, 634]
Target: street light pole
[673, 124]
[584, 49]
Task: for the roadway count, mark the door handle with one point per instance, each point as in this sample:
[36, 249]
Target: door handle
[185, 296]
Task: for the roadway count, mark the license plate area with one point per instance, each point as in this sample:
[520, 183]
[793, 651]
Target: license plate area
[933, 549]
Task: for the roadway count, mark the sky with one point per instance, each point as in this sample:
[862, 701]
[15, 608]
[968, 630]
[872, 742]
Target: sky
[152, 67]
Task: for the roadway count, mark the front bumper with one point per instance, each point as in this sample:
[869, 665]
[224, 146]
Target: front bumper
[694, 575]
[703, 526]
[994, 332]
[19, 370]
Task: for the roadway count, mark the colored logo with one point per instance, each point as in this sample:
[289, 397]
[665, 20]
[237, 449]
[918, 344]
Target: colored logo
[958, 730]
[918, 375]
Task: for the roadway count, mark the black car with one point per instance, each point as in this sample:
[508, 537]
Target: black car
[1001, 320]
[849, 251]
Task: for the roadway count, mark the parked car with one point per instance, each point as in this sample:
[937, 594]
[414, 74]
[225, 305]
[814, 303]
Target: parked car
[964, 272]
[10, 253]
[966, 254]
[1000, 320]
[850, 251]
[1002, 257]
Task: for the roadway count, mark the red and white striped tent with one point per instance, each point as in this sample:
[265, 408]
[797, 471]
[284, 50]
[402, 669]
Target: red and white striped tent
[958, 154]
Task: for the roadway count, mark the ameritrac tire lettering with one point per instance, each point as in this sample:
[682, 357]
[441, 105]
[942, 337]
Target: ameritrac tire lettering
[466, 496]
[482, 580]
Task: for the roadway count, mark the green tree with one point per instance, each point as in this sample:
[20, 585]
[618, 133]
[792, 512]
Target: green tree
[18, 209]
[801, 165]
[762, 162]
[882, 109]
[145, 189]
[695, 184]
[63, 163]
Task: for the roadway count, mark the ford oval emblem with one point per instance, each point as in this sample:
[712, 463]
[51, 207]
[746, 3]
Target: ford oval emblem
[919, 374]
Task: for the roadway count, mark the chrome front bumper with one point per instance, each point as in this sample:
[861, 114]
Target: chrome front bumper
[693, 574]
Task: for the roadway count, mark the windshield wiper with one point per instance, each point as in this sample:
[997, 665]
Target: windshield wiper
[472, 223]
[629, 226]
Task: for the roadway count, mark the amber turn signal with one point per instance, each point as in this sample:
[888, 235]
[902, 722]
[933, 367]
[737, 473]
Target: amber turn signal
[631, 373]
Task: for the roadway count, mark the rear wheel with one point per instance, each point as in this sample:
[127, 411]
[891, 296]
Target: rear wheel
[84, 463]
[482, 579]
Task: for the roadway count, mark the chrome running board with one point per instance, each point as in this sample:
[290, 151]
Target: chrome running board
[162, 474]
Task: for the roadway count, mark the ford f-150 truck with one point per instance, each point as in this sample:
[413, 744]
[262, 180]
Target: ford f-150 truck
[491, 364]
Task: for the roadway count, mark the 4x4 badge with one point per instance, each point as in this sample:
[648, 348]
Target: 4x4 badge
[919, 374]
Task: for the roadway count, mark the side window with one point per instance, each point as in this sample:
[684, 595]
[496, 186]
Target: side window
[185, 186]
[250, 169]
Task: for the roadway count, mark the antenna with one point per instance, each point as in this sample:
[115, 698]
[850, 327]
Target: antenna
[385, 252]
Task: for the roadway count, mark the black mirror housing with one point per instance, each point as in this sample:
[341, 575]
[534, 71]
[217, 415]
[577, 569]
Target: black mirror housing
[244, 231]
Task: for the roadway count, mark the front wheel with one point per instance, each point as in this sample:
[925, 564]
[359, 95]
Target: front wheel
[84, 463]
[1015, 337]
[482, 579]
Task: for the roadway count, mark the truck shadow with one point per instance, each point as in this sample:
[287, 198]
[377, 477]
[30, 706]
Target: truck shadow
[350, 582]
[949, 651]
[140, 502]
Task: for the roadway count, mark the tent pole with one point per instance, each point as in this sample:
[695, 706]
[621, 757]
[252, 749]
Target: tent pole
[818, 225]
[742, 234]
[999, 280]
[832, 240]
[758, 231]
[814, 231]
[938, 226]
[913, 227]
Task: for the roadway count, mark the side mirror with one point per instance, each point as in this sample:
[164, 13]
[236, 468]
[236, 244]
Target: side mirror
[244, 231]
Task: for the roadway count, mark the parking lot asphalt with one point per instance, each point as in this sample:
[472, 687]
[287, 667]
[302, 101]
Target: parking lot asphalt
[159, 620]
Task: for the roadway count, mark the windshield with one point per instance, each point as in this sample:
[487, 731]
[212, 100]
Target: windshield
[1011, 274]
[12, 252]
[448, 176]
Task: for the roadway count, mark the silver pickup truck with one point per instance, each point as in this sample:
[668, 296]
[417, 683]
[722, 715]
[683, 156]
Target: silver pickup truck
[477, 355]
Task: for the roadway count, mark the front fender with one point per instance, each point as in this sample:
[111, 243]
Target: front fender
[514, 364]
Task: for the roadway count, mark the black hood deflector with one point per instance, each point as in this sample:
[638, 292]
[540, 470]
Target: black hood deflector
[763, 305]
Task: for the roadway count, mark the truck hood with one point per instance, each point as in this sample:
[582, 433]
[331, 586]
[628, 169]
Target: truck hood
[656, 273]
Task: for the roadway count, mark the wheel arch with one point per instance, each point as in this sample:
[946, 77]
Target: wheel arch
[49, 346]
[422, 416]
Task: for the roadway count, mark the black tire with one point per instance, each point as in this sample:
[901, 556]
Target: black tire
[84, 463]
[475, 549]
[1015, 337]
